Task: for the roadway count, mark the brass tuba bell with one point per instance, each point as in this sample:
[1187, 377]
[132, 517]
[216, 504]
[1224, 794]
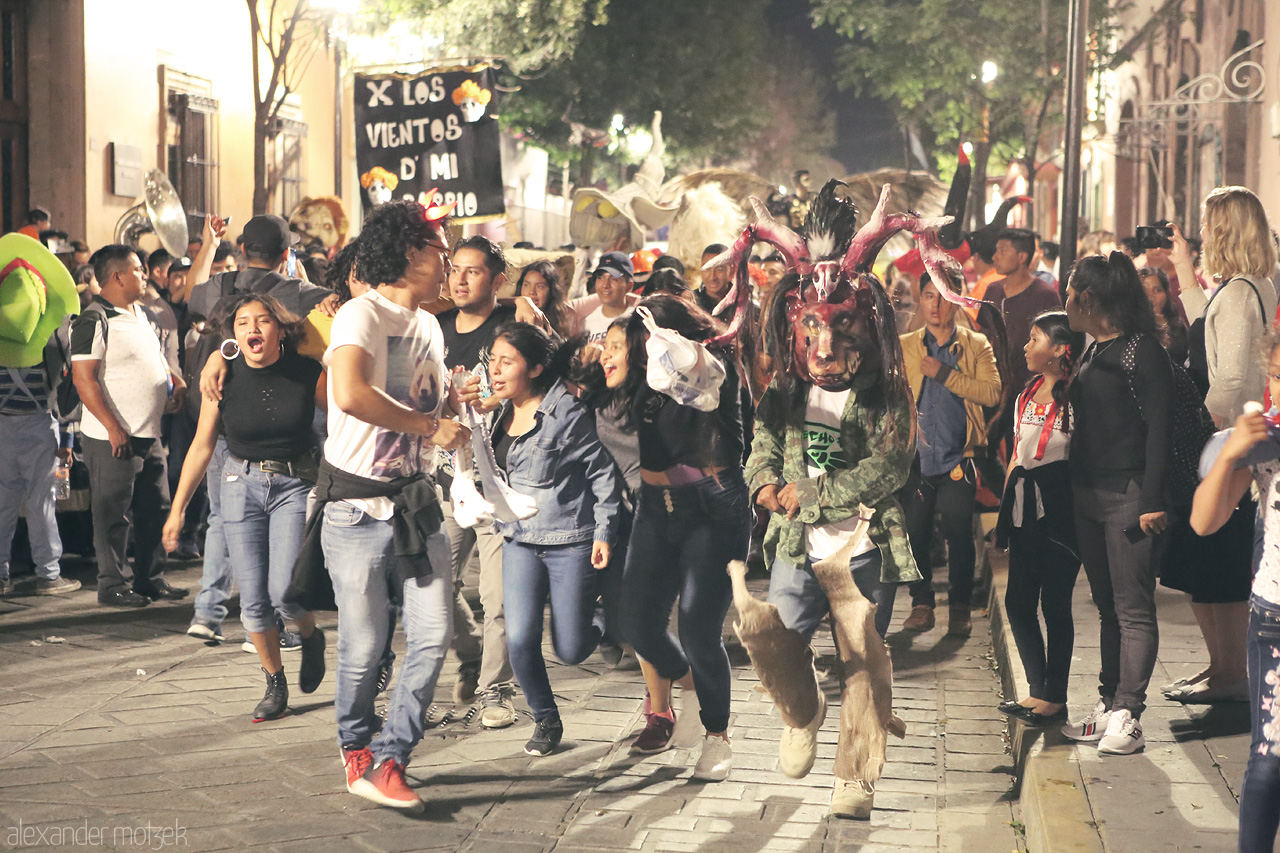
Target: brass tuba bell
[160, 212]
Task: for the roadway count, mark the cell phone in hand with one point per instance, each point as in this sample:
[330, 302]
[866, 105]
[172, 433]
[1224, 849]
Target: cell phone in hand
[1134, 533]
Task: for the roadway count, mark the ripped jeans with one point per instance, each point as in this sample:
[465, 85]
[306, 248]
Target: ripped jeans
[1260, 794]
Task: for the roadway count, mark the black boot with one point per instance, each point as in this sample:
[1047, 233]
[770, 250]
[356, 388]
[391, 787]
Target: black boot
[275, 701]
[311, 671]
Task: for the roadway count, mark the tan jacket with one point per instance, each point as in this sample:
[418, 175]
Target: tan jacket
[975, 378]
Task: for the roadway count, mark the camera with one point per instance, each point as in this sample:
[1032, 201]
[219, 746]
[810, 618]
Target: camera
[1154, 237]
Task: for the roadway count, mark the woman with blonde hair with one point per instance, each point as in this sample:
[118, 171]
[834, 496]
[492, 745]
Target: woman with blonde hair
[1240, 256]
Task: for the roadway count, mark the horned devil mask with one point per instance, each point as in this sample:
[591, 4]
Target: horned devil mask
[830, 320]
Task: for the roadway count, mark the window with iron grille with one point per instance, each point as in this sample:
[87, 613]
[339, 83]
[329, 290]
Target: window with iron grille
[285, 172]
[193, 151]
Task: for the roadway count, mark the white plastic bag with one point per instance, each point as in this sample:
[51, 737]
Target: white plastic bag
[682, 369]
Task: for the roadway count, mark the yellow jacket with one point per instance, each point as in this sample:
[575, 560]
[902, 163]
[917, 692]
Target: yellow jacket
[975, 378]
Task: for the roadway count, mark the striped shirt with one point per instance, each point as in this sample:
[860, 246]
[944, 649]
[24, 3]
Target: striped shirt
[23, 390]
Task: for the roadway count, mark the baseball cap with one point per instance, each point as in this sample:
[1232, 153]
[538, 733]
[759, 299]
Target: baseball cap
[180, 265]
[616, 264]
[268, 234]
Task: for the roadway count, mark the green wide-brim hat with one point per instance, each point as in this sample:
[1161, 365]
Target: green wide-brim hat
[36, 293]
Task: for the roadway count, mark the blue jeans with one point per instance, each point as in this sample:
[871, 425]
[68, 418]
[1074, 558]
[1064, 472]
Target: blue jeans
[802, 604]
[215, 576]
[264, 516]
[530, 575]
[683, 540]
[28, 471]
[361, 558]
[1260, 794]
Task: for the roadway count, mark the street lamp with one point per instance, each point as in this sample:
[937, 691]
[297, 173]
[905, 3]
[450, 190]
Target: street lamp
[335, 10]
[990, 71]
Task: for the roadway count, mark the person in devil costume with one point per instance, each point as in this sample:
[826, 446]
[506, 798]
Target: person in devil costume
[835, 433]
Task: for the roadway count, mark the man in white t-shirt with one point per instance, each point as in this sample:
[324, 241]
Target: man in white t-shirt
[125, 383]
[388, 391]
[613, 278]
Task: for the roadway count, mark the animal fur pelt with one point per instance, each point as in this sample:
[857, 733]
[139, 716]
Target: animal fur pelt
[783, 660]
[866, 692]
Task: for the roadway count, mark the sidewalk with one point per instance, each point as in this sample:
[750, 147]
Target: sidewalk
[128, 729]
[1180, 793]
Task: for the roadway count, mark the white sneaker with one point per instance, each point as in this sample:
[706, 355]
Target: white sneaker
[1091, 728]
[852, 799]
[1124, 735]
[799, 747]
[688, 729]
[715, 761]
[496, 708]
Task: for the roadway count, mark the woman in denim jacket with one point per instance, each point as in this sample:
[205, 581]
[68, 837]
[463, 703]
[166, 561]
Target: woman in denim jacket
[545, 440]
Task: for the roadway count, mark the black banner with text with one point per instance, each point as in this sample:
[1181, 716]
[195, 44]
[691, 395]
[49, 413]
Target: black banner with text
[438, 129]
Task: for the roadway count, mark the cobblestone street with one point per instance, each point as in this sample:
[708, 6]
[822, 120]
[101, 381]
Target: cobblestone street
[116, 722]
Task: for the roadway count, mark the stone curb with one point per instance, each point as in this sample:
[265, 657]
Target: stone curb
[1055, 807]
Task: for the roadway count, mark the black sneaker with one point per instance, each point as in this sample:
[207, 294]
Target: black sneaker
[122, 598]
[290, 641]
[160, 590]
[311, 670]
[610, 651]
[546, 737]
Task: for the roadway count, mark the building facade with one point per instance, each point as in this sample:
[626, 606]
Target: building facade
[1194, 107]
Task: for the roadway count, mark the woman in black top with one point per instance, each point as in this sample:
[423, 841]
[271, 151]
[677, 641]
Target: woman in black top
[1122, 401]
[693, 518]
[269, 396]
[1170, 326]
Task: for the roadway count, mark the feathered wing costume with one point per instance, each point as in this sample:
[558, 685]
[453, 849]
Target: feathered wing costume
[828, 322]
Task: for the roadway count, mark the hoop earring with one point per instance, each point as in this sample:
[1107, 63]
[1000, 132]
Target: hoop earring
[235, 349]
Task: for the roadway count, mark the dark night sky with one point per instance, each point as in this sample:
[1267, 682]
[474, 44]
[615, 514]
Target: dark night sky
[867, 137]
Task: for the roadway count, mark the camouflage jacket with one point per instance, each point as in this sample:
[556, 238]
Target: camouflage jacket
[880, 470]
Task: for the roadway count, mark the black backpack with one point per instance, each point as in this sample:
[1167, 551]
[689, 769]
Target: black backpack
[1191, 428]
[57, 364]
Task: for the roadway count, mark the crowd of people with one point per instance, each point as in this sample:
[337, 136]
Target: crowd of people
[332, 444]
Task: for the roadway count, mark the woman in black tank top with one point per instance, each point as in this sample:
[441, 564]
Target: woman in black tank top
[269, 396]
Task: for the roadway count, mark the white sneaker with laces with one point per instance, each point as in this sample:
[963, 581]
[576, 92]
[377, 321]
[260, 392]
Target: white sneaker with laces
[715, 761]
[799, 747]
[496, 708]
[1124, 735]
[688, 728]
[1092, 727]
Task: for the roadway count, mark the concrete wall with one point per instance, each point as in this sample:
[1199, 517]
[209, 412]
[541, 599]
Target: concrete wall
[100, 69]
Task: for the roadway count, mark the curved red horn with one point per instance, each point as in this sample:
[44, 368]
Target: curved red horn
[872, 236]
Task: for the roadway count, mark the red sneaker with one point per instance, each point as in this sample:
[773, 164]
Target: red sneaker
[387, 787]
[357, 763]
[656, 736]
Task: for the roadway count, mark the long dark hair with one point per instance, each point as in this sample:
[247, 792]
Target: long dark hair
[665, 280]
[1057, 328]
[538, 350]
[1113, 292]
[338, 278]
[1174, 328]
[779, 342]
[554, 309]
[291, 331]
[669, 312]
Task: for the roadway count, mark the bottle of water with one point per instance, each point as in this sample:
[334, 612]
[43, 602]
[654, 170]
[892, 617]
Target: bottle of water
[62, 485]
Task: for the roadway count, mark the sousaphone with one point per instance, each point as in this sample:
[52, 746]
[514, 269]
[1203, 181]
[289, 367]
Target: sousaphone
[160, 213]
